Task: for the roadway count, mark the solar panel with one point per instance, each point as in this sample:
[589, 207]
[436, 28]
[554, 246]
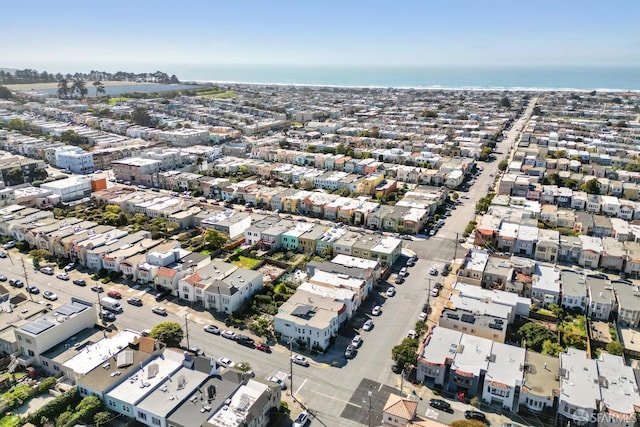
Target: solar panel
[468, 318]
[498, 321]
[37, 326]
[453, 316]
[125, 358]
[495, 326]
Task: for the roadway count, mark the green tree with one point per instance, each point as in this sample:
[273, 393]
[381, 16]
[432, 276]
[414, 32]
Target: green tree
[17, 124]
[5, 93]
[80, 87]
[485, 153]
[214, 239]
[99, 87]
[535, 335]
[454, 196]
[89, 407]
[467, 423]
[39, 254]
[46, 384]
[505, 102]
[430, 114]
[503, 165]
[63, 88]
[591, 187]
[614, 347]
[170, 333]
[141, 117]
[64, 418]
[115, 209]
[102, 418]
[72, 137]
[551, 348]
[15, 176]
[406, 353]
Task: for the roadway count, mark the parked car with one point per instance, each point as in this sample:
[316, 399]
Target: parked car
[368, 325]
[161, 296]
[135, 301]
[391, 291]
[435, 292]
[301, 420]
[70, 266]
[440, 404]
[412, 334]
[475, 415]
[10, 244]
[226, 362]
[159, 310]
[212, 329]
[79, 282]
[229, 335]
[97, 288]
[62, 276]
[299, 360]
[47, 270]
[107, 316]
[376, 310]
[114, 294]
[399, 280]
[445, 269]
[350, 352]
[197, 351]
[283, 385]
[263, 347]
[16, 283]
[356, 341]
[3, 254]
[3, 278]
[403, 272]
[51, 296]
[422, 316]
[33, 289]
[433, 271]
[245, 341]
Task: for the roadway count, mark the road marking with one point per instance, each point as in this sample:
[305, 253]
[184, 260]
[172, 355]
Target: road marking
[339, 400]
[301, 385]
[380, 387]
[442, 260]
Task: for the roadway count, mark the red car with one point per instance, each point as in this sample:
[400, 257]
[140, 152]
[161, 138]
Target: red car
[263, 347]
[114, 294]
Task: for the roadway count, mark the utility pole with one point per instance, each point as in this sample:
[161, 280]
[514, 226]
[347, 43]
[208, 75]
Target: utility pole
[429, 292]
[369, 393]
[291, 366]
[186, 327]
[26, 281]
[455, 248]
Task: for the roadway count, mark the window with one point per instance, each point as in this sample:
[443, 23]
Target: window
[155, 421]
[45, 363]
[142, 415]
[31, 353]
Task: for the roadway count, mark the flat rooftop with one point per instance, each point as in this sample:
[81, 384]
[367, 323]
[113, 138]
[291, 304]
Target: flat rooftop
[441, 344]
[541, 374]
[95, 354]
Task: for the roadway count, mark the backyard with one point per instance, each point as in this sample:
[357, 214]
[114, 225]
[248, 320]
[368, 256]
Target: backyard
[245, 262]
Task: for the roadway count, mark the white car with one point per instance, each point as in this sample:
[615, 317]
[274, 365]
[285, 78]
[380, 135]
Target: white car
[391, 291]
[283, 385]
[301, 420]
[51, 296]
[422, 316]
[47, 270]
[299, 360]
[356, 341]
[62, 276]
[433, 271]
[376, 310]
[229, 335]
[226, 362]
[412, 334]
[368, 325]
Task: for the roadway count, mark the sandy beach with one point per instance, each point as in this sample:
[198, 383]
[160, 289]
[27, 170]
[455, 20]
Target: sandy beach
[54, 85]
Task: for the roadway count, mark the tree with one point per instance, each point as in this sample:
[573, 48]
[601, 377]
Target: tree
[551, 348]
[80, 87]
[214, 239]
[39, 254]
[88, 407]
[505, 102]
[102, 418]
[467, 423]
[15, 176]
[17, 124]
[141, 117]
[5, 93]
[71, 137]
[614, 347]
[503, 165]
[430, 114]
[535, 335]
[99, 87]
[591, 187]
[169, 333]
[406, 353]
[63, 88]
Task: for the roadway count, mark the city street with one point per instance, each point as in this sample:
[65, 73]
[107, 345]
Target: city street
[337, 391]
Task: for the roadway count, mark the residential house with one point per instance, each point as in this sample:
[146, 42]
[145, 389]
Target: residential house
[541, 383]
[591, 251]
[545, 288]
[574, 290]
[613, 254]
[601, 298]
[548, 246]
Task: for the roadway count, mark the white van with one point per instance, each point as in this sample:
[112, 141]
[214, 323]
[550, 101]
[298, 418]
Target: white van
[110, 304]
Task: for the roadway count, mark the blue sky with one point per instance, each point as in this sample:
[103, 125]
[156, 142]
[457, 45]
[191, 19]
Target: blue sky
[138, 34]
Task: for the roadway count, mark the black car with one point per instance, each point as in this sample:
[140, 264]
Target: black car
[446, 269]
[245, 341]
[97, 288]
[79, 282]
[475, 415]
[135, 301]
[16, 283]
[33, 289]
[395, 368]
[161, 296]
[440, 404]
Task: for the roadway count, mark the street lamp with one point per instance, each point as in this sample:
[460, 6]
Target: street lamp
[369, 393]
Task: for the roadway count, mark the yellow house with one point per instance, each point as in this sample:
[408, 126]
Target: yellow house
[368, 185]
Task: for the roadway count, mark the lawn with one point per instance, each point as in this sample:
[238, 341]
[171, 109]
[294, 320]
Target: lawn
[246, 262]
[114, 101]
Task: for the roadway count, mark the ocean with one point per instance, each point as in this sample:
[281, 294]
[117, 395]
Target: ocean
[549, 78]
